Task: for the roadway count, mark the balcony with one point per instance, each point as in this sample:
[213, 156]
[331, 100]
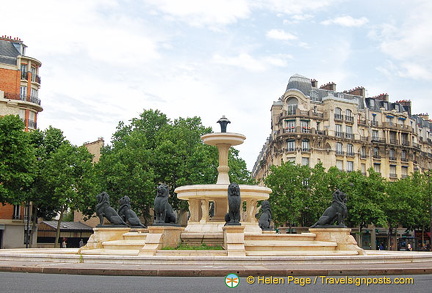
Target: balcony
[394, 141]
[362, 122]
[339, 134]
[340, 153]
[350, 154]
[13, 96]
[405, 143]
[378, 157]
[349, 119]
[349, 135]
[392, 158]
[338, 117]
[404, 159]
[393, 175]
[374, 123]
[377, 139]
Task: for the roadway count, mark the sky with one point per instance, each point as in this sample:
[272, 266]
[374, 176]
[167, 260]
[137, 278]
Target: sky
[106, 61]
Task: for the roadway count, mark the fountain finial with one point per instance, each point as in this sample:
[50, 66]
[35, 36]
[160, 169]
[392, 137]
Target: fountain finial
[223, 123]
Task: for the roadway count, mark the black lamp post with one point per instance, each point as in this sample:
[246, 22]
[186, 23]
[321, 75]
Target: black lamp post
[223, 123]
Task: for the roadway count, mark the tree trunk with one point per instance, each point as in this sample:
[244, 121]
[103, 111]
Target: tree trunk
[56, 242]
[34, 223]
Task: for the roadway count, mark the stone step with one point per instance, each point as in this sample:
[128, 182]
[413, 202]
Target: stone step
[124, 244]
[281, 237]
[302, 253]
[191, 253]
[110, 252]
[264, 245]
[194, 238]
[135, 236]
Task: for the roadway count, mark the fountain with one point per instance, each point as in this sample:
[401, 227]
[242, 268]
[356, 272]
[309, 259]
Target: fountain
[202, 197]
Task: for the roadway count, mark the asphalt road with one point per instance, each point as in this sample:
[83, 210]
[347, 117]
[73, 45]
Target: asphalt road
[45, 283]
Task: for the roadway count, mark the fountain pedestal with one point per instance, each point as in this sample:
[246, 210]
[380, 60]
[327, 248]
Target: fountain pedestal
[200, 197]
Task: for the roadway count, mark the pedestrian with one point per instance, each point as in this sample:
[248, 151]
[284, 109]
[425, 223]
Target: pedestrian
[64, 245]
[81, 243]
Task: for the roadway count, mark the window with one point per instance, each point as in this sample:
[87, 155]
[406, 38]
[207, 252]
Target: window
[339, 164]
[290, 125]
[33, 72]
[375, 135]
[404, 171]
[338, 114]
[292, 105]
[376, 154]
[291, 159]
[305, 161]
[349, 132]
[377, 168]
[363, 169]
[350, 166]
[17, 212]
[404, 156]
[23, 71]
[23, 94]
[348, 115]
[363, 152]
[392, 154]
[339, 148]
[338, 130]
[291, 145]
[393, 171]
[350, 150]
[305, 145]
[304, 124]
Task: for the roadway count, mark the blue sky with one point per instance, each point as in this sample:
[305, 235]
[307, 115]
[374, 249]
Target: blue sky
[104, 61]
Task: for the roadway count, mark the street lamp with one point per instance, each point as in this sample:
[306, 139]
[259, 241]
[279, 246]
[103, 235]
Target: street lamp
[223, 123]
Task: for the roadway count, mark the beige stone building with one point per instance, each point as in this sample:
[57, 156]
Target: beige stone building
[312, 124]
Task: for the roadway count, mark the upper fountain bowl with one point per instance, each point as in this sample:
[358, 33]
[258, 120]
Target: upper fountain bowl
[223, 138]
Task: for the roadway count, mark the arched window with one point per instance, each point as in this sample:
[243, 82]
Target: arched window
[350, 150]
[292, 104]
[349, 116]
[338, 114]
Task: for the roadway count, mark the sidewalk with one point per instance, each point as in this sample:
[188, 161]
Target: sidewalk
[68, 262]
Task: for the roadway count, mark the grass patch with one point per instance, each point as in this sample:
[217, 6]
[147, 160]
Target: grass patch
[203, 246]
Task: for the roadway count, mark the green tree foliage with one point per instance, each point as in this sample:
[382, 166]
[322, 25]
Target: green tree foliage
[64, 175]
[16, 161]
[152, 149]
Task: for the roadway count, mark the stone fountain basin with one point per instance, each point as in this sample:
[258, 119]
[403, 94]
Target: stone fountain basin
[228, 138]
[200, 196]
[220, 191]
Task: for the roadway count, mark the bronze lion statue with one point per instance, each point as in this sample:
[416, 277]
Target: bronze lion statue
[103, 209]
[162, 209]
[127, 214]
[234, 205]
[335, 213]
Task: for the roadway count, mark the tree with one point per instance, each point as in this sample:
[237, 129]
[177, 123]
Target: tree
[16, 161]
[64, 176]
[152, 149]
[288, 185]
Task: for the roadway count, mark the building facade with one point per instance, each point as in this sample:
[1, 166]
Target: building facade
[19, 95]
[312, 124]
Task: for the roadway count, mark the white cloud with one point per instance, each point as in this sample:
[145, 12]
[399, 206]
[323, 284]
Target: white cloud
[246, 61]
[279, 34]
[410, 42]
[347, 21]
[294, 6]
[203, 13]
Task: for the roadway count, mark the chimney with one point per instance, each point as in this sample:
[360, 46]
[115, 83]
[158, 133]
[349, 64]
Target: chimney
[358, 91]
[314, 83]
[406, 104]
[331, 86]
[382, 97]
